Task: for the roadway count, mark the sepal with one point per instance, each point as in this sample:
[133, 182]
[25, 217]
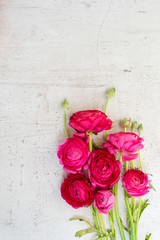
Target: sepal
[148, 236]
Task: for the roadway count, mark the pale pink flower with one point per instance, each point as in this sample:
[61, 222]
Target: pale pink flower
[125, 142]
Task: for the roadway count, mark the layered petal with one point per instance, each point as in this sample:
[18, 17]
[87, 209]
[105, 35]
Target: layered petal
[104, 201]
[125, 142]
[90, 120]
[77, 191]
[73, 153]
[136, 183]
[103, 169]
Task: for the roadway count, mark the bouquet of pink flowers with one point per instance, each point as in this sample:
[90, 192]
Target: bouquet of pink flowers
[94, 172]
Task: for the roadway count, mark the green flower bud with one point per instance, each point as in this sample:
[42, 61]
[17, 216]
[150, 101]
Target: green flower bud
[135, 124]
[111, 93]
[140, 127]
[65, 105]
[125, 123]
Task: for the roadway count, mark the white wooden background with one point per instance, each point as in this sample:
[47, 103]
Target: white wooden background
[52, 49]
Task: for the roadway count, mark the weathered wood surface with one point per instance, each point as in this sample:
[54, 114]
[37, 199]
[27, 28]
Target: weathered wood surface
[50, 50]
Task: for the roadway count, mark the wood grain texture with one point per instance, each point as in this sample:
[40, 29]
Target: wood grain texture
[53, 49]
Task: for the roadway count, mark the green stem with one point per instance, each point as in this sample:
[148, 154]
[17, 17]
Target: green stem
[133, 199]
[111, 220]
[139, 204]
[117, 213]
[132, 164]
[116, 207]
[90, 141]
[95, 219]
[140, 162]
[126, 169]
[101, 223]
[126, 165]
[105, 110]
[120, 158]
[92, 207]
[133, 205]
[65, 124]
[130, 216]
[138, 214]
[106, 133]
[139, 155]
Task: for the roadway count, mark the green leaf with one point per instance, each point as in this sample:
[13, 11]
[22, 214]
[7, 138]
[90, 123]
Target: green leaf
[84, 232]
[82, 219]
[152, 187]
[148, 236]
[143, 206]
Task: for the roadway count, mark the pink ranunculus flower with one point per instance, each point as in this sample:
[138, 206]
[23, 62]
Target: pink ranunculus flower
[103, 169]
[90, 120]
[73, 152]
[104, 201]
[125, 142]
[77, 191]
[136, 182]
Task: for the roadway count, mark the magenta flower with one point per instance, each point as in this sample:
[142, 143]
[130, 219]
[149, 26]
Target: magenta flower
[73, 152]
[77, 191]
[127, 143]
[90, 120]
[136, 182]
[103, 169]
[104, 201]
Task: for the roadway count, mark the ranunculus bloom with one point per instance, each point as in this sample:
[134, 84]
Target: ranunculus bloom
[73, 153]
[136, 182]
[90, 120]
[127, 143]
[103, 169]
[77, 191]
[104, 201]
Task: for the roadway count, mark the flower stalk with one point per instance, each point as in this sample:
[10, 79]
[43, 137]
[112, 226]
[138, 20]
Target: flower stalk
[116, 208]
[65, 124]
[95, 212]
[90, 141]
[101, 223]
[140, 127]
[110, 94]
[65, 106]
[111, 220]
[137, 220]
[95, 219]
[130, 216]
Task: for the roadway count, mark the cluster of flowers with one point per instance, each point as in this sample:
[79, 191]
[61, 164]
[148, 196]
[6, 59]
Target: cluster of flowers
[92, 174]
